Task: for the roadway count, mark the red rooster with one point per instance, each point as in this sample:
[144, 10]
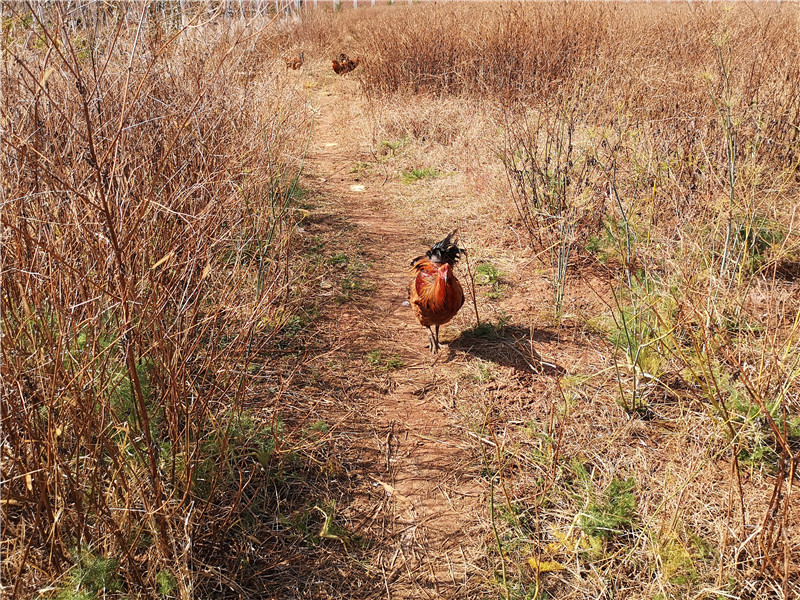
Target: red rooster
[435, 294]
[345, 64]
[295, 63]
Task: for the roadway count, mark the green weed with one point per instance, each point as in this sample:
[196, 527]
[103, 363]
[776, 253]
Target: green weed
[91, 576]
[482, 372]
[416, 174]
[359, 166]
[614, 513]
[298, 322]
[298, 196]
[320, 426]
[390, 148]
[167, 584]
[376, 359]
[679, 557]
[487, 329]
[338, 259]
[353, 284]
[489, 276]
[755, 237]
[756, 440]
[484, 330]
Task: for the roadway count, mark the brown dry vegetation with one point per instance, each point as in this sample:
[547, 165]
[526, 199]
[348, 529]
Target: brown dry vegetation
[183, 411]
[147, 183]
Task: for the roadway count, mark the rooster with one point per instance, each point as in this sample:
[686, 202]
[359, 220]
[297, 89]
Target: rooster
[295, 63]
[435, 294]
[345, 64]
[338, 67]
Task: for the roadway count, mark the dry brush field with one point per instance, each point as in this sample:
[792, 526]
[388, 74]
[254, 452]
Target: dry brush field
[200, 336]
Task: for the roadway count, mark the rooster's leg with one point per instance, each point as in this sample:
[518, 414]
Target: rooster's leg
[437, 341]
[432, 341]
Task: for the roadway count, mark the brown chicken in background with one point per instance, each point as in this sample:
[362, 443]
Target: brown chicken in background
[295, 63]
[435, 294]
[345, 64]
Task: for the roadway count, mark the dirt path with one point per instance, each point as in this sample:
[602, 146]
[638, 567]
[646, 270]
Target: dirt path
[414, 453]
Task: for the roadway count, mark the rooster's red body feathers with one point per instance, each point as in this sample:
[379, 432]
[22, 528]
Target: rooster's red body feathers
[435, 293]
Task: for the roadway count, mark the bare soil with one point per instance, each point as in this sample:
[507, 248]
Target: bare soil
[421, 490]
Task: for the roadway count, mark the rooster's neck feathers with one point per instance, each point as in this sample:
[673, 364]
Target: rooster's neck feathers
[434, 300]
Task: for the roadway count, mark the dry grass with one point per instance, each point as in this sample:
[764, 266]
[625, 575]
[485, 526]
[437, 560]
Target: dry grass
[628, 174]
[147, 283]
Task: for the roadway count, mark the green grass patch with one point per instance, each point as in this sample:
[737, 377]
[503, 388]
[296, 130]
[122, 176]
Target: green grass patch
[417, 174]
[614, 513]
[378, 361]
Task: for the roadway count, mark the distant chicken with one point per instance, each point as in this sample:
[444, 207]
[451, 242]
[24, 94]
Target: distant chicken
[295, 63]
[345, 64]
[435, 294]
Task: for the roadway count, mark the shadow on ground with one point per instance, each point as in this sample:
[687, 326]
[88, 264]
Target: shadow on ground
[510, 346]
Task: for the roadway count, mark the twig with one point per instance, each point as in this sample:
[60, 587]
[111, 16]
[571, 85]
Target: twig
[497, 537]
[472, 288]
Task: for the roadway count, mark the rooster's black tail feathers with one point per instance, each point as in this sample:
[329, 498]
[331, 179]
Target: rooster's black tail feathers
[442, 252]
[445, 251]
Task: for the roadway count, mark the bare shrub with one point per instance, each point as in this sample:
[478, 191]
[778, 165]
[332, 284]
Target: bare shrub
[499, 50]
[146, 274]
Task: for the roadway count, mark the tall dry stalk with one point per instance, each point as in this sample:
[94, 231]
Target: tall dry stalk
[550, 181]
